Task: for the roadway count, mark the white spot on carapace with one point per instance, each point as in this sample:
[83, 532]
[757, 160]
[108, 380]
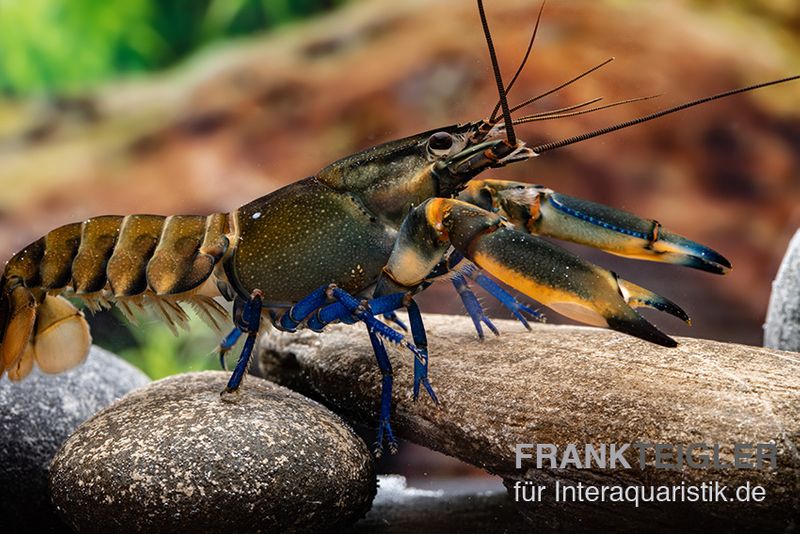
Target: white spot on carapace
[256, 215]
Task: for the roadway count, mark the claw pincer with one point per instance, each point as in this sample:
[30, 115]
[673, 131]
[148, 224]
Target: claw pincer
[551, 275]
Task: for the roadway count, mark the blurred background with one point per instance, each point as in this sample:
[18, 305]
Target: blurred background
[198, 106]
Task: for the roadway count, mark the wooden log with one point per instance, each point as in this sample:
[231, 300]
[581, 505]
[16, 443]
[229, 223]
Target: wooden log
[572, 385]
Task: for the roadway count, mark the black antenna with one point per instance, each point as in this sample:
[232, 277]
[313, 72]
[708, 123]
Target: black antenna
[608, 129]
[563, 85]
[511, 137]
[522, 63]
[562, 110]
[569, 112]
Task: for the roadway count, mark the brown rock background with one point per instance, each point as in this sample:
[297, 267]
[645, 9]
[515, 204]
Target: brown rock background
[238, 121]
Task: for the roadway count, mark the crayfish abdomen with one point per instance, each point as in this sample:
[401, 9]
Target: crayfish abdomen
[132, 261]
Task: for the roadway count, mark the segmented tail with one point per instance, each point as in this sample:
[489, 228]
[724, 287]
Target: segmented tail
[132, 261]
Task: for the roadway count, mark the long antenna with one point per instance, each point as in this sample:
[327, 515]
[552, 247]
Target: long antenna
[522, 63]
[568, 112]
[511, 137]
[563, 85]
[608, 129]
[561, 110]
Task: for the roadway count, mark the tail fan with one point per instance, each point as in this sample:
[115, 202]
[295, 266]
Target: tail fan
[54, 334]
[16, 339]
[62, 339]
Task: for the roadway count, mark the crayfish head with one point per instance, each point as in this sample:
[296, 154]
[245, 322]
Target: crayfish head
[486, 147]
[391, 178]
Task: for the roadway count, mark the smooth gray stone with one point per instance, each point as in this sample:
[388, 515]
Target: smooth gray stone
[782, 328]
[36, 417]
[175, 457]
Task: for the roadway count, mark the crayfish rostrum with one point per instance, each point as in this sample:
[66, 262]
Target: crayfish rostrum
[354, 243]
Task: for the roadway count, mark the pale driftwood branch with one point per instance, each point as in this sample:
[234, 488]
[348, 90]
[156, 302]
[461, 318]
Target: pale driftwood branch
[566, 385]
[782, 329]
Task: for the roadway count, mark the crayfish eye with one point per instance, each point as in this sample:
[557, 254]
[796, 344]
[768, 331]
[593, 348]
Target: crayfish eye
[440, 142]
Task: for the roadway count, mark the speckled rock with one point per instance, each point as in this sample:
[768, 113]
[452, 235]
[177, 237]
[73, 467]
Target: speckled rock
[36, 417]
[174, 456]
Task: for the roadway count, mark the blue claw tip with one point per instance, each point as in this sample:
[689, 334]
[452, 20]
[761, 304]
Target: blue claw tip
[692, 254]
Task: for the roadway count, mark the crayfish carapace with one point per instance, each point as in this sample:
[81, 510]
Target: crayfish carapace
[353, 243]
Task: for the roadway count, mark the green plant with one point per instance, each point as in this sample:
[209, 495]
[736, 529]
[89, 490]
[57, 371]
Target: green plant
[58, 46]
[160, 353]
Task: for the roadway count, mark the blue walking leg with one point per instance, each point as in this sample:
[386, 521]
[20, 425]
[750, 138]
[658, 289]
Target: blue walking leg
[227, 344]
[297, 314]
[378, 330]
[301, 311]
[241, 366]
[473, 306]
[337, 311]
[393, 318]
[365, 314]
[508, 300]
[421, 341]
[349, 305]
[384, 425]
[250, 323]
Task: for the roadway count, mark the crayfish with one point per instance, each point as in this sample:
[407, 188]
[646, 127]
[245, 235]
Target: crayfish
[354, 243]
